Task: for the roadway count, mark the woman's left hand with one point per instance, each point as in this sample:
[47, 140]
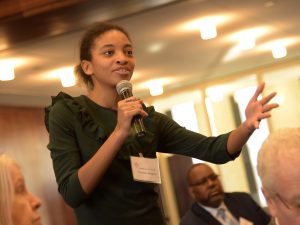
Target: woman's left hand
[257, 110]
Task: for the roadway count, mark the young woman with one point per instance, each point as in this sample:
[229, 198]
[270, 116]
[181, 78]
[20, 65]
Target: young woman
[17, 205]
[91, 140]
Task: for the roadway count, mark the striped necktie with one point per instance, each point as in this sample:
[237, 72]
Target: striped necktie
[225, 217]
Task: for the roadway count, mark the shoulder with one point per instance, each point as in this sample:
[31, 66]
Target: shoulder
[196, 215]
[240, 198]
[189, 218]
[59, 102]
[61, 107]
[237, 194]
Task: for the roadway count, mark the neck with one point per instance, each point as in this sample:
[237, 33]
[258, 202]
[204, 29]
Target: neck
[105, 98]
[211, 205]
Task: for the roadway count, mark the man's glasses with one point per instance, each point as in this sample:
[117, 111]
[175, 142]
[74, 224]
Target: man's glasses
[205, 180]
[290, 206]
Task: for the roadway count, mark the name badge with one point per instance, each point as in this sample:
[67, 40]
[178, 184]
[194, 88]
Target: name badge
[145, 169]
[243, 221]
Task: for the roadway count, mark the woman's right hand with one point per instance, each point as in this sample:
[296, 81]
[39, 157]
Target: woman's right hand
[127, 109]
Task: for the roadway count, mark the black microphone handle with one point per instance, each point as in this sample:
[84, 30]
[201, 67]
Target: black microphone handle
[137, 120]
[138, 125]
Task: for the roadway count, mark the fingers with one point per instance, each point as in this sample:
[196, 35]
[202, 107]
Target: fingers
[258, 91]
[256, 124]
[136, 108]
[260, 118]
[269, 107]
[268, 98]
[132, 106]
[130, 99]
[265, 107]
[264, 116]
[258, 110]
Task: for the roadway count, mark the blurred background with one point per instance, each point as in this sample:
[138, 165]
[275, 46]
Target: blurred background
[198, 61]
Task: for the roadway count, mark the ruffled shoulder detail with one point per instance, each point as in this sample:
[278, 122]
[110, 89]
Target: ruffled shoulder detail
[133, 144]
[90, 127]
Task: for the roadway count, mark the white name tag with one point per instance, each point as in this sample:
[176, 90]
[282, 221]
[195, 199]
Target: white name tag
[145, 169]
[243, 221]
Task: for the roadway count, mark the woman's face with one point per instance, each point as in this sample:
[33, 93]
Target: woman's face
[24, 204]
[112, 59]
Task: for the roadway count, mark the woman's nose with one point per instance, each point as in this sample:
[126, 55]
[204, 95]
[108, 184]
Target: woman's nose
[121, 58]
[122, 61]
[35, 202]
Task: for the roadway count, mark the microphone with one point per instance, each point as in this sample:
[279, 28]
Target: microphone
[124, 89]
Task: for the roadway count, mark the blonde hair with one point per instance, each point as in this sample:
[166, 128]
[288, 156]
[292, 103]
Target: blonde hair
[281, 148]
[6, 190]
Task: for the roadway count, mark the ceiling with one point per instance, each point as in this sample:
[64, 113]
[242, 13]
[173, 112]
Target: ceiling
[166, 48]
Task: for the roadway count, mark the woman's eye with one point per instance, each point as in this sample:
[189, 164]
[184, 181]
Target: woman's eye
[108, 52]
[129, 52]
[20, 189]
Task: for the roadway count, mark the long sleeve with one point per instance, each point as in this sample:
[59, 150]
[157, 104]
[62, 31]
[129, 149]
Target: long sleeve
[178, 140]
[65, 154]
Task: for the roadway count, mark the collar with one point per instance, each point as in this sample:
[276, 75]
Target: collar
[212, 210]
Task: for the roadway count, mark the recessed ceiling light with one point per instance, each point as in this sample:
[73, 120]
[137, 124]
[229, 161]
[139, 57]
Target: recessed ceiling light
[247, 41]
[7, 70]
[155, 47]
[208, 30]
[66, 75]
[155, 88]
[279, 50]
[269, 3]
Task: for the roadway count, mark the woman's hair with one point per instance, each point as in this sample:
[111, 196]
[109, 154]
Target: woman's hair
[87, 43]
[279, 152]
[6, 189]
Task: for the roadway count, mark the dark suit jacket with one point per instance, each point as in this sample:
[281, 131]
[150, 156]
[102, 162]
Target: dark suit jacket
[238, 203]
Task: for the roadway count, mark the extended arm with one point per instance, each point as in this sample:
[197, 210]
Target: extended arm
[256, 110]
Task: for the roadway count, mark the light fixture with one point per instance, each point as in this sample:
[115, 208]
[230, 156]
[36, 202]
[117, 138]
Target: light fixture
[246, 38]
[67, 80]
[208, 29]
[7, 71]
[269, 3]
[247, 41]
[155, 47]
[278, 50]
[66, 75]
[155, 88]
[207, 25]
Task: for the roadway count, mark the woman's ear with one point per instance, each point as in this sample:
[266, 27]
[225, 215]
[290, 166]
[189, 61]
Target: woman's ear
[270, 202]
[87, 67]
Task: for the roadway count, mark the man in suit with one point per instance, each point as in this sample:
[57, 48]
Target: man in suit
[278, 166]
[214, 207]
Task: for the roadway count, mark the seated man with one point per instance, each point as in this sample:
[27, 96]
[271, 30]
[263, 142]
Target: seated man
[278, 166]
[215, 207]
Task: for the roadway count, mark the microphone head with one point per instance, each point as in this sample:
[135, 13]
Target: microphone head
[123, 85]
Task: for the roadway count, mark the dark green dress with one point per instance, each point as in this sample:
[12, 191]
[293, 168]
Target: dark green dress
[77, 129]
